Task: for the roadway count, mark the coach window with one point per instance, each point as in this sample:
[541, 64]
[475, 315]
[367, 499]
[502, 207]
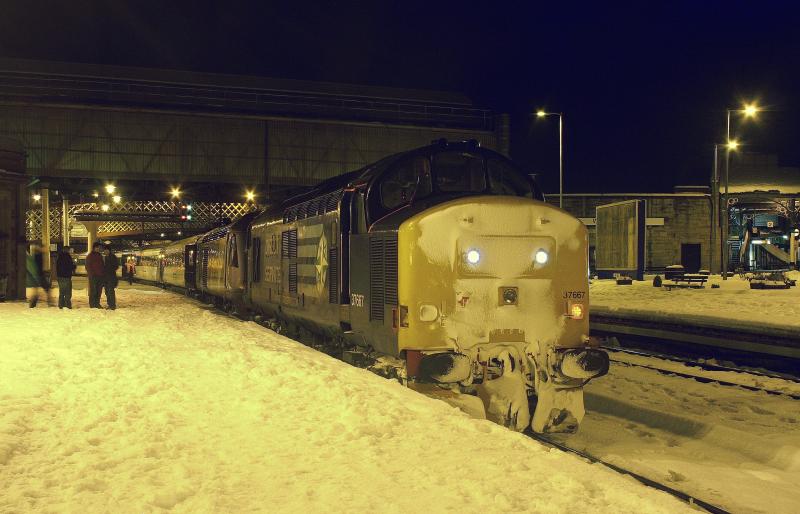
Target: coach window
[233, 261]
[358, 218]
[256, 259]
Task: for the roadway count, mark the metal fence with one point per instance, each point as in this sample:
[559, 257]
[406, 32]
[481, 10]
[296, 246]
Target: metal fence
[203, 214]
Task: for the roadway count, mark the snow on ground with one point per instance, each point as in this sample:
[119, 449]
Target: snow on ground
[735, 448]
[734, 304]
[166, 405]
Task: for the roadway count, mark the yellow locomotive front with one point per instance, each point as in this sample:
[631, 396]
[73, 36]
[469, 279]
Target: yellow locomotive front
[493, 296]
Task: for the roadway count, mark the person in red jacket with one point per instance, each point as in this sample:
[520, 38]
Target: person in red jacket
[95, 270]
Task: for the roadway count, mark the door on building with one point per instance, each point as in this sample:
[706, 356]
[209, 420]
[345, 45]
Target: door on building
[690, 257]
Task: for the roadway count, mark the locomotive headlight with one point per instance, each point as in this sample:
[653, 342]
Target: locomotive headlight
[428, 312]
[473, 256]
[541, 257]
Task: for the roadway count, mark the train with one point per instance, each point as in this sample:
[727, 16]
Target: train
[441, 266]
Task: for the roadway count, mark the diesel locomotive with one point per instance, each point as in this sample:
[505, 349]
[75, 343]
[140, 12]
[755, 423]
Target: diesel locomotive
[444, 264]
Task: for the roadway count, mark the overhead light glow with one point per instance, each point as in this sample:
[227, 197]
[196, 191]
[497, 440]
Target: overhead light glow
[750, 110]
[37, 197]
[473, 256]
[733, 144]
[250, 195]
[117, 198]
[541, 257]
[104, 207]
[176, 192]
[162, 234]
[110, 188]
[95, 194]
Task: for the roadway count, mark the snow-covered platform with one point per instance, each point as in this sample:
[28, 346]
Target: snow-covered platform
[732, 316]
[165, 404]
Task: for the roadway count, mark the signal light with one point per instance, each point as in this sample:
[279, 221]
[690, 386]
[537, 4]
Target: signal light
[576, 311]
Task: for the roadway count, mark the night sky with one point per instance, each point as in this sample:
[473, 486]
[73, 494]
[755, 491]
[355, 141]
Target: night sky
[643, 86]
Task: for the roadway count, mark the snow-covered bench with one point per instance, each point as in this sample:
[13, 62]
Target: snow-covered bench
[691, 280]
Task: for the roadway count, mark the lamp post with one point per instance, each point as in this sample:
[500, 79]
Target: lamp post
[542, 114]
[748, 111]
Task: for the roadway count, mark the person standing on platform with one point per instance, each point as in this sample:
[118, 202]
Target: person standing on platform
[110, 266]
[65, 268]
[131, 264]
[33, 277]
[94, 271]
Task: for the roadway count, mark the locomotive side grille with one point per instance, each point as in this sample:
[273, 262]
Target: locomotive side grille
[377, 283]
[332, 201]
[289, 244]
[293, 244]
[333, 275]
[390, 269]
[293, 278]
[313, 207]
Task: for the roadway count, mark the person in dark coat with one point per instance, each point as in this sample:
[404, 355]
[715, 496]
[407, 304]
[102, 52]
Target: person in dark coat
[110, 282]
[33, 279]
[65, 268]
[95, 271]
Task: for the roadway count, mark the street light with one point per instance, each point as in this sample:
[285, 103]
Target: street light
[541, 113]
[116, 198]
[110, 188]
[250, 195]
[750, 110]
[176, 192]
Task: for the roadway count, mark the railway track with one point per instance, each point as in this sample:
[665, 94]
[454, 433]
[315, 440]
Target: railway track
[703, 366]
[773, 348]
[683, 496]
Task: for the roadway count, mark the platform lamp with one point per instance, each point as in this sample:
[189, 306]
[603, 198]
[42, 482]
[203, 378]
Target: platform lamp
[541, 113]
[750, 110]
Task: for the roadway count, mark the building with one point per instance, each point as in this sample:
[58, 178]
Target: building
[679, 225]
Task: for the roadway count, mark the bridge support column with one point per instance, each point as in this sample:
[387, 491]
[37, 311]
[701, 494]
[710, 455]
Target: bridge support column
[91, 228]
[45, 229]
[65, 221]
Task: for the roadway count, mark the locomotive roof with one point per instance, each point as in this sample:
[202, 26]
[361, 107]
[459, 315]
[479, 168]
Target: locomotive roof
[363, 175]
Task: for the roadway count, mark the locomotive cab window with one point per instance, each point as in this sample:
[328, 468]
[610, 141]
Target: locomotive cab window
[506, 179]
[459, 172]
[408, 179]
